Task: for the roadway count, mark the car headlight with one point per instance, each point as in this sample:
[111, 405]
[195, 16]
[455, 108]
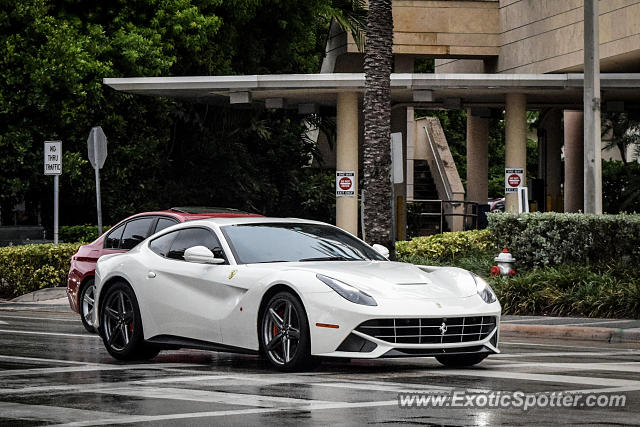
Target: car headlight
[484, 290]
[347, 292]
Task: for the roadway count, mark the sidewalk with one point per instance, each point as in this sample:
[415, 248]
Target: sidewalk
[570, 328]
[576, 328]
[49, 299]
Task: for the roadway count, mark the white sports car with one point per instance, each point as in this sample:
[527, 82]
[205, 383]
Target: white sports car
[290, 289]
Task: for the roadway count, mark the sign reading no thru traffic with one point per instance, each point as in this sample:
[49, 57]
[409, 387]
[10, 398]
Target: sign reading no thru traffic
[53, 157]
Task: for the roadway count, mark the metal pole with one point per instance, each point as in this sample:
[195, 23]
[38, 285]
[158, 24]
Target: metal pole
[98, 201]
[592, 144]
[55, 209]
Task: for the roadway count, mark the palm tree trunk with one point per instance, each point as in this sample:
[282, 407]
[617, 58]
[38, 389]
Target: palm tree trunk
[378, 61]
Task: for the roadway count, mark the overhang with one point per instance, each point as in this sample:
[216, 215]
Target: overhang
[442, 90]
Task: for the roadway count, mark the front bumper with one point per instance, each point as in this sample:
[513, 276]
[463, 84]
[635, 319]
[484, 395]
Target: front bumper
[349, 341]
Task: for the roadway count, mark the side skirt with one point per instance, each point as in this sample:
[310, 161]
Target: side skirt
[174, 342]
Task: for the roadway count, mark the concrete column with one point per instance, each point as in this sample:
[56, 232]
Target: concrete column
[347, 158]
[592, 143]
[515, 141]
[550, 159]
[573, 161]
[477, 158]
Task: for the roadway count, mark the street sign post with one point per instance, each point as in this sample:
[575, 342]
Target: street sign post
[97, 150]
[53, 166]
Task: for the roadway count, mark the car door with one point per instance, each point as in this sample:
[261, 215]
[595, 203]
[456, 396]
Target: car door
[187, 299]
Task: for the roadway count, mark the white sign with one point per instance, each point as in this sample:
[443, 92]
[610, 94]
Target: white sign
[513, 179]
[345, 183]
[53, 157]
[397, 172]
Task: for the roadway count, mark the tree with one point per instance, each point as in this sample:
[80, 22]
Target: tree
[623, 131]
[378, 61]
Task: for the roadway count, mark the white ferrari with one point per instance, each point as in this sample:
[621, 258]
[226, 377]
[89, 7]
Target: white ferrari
[292, 290]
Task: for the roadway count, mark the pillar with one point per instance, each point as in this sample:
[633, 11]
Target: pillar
[550, 163]
[477, 158]
[515, 141]
[347, 158]
[573, 161]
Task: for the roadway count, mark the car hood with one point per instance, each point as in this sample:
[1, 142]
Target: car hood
[396, 280]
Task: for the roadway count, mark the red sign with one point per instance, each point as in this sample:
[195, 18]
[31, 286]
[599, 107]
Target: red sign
[514, 180]
[345, 183]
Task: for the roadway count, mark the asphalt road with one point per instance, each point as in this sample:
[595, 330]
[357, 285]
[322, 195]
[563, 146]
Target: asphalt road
[52, 372]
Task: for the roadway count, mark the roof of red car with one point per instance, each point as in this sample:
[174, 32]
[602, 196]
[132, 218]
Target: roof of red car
[193, 213]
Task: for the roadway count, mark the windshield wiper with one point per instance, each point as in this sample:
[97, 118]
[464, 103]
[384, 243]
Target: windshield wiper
[328, 258]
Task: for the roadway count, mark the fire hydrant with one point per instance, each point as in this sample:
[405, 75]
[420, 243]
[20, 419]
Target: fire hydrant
[505, 265]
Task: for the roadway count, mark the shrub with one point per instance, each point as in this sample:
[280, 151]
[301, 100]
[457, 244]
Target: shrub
[27, 268]
[552, 239]
[608, 291]
[79, 233]
[446, 246]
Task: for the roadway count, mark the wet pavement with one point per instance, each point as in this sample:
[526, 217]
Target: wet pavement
[53, 372]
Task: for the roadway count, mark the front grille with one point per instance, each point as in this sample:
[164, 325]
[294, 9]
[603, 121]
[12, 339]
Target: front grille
[439, 330]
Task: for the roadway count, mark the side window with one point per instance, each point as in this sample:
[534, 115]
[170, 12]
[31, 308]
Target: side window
[161, 245]
[164, 223]
[190, 237]
[135, 232]
[112, 241]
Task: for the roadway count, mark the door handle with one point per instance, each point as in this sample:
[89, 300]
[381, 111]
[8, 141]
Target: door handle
[151, 275]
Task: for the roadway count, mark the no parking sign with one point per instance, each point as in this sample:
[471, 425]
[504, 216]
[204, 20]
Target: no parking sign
[513, 178]
[345, 183]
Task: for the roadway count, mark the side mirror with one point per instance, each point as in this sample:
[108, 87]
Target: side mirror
[201, 255]
[381, 250]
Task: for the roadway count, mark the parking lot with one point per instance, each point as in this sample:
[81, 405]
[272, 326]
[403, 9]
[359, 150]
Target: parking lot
[53, 372]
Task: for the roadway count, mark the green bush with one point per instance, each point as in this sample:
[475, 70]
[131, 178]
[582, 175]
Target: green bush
[608, 291]
[446, 246]
[552, 239]
[27, 268]
[79, 233]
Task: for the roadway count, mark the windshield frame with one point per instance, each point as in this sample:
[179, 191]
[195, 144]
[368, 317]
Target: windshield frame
[287, 225]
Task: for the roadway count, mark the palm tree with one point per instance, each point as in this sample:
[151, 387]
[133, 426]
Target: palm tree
[351, 16]
[378, 61]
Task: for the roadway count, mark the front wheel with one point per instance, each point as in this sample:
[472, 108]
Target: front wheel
[121, 325]
[284, 333]
[461, 360]
[87, 304]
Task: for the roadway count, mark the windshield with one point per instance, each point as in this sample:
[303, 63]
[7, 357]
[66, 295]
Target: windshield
[290, 242]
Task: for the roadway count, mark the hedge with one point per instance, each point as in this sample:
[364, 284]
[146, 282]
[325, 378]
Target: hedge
[80, 233]
[27, 268]
[552, 239]
[445, 246]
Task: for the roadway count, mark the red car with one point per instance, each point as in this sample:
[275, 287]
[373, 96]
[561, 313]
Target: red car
[124, 236]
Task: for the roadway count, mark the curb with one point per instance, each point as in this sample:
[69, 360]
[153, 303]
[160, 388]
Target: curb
[610, 335]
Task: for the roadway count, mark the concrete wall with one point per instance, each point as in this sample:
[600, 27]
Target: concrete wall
[546, 36]
[446, 28]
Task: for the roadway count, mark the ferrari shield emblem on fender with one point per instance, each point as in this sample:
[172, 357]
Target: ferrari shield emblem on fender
[233, 273]
[439, 305]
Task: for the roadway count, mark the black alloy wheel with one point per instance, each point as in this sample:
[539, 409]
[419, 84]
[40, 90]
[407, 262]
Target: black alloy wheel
[284, 333]
[121, 325]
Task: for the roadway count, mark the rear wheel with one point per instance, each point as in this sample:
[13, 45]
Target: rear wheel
[284, 333]
[460, 360]
[121, 325]
[87, 303]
